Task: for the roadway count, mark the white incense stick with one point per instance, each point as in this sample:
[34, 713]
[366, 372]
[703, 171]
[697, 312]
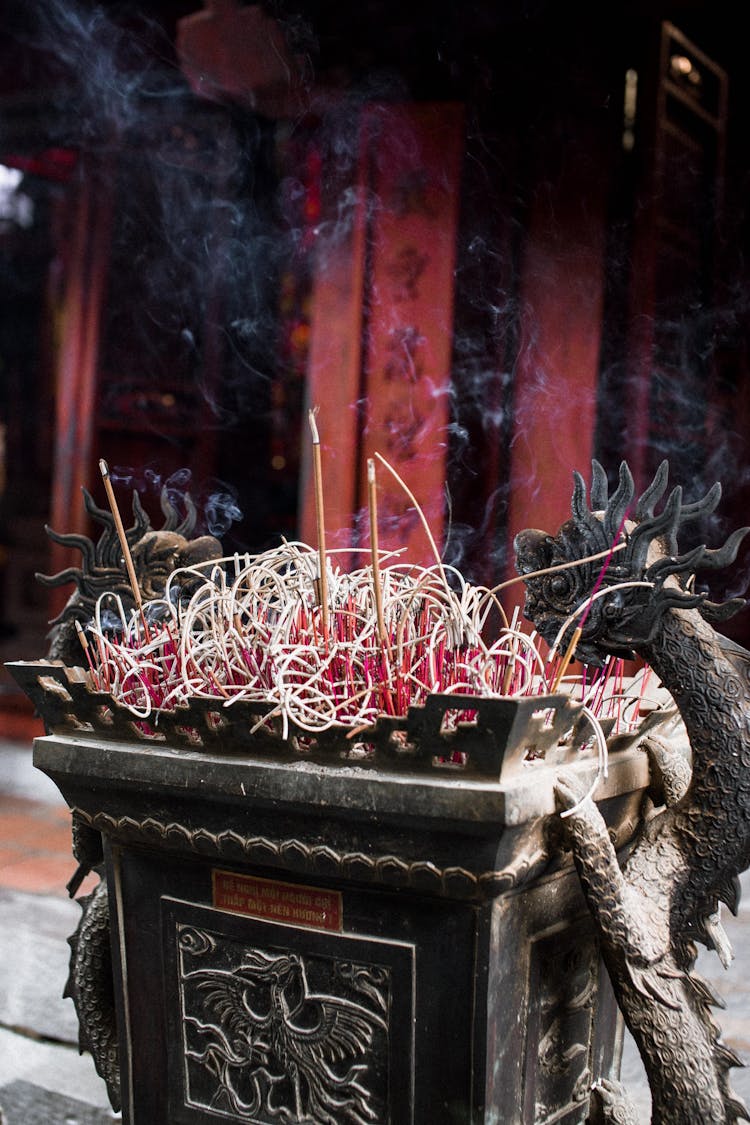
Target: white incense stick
[420, 513]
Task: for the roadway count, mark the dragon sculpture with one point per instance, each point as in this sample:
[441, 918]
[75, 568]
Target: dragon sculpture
[155, 554]
[651, 909]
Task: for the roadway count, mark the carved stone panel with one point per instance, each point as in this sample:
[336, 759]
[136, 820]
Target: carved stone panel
[564, 973]
[272, 1024]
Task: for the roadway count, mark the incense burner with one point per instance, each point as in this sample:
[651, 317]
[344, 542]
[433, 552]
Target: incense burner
[405, 889]
[360, 922]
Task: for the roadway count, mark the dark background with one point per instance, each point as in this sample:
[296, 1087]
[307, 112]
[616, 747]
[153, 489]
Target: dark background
[203, 208]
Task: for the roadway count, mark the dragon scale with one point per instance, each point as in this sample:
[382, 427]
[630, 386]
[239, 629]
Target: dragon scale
[712, 822]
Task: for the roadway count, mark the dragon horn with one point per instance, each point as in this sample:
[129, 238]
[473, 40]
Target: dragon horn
[100, 515]
[142, 522]
[187, 527]
[599, 487]
[72, 574]
[172, 516]
[653, 494]
[70, 539]
[620, 502]
[582, 514]
[721, 611]
[722, 556]
[665, 523]
[702, 507]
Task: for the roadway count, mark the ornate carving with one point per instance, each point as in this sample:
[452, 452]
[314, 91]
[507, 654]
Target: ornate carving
[155, 555]
[564, 970]
[495, 745]
[688, 855]
[91, 988]
[296, 854]
[259, 1042]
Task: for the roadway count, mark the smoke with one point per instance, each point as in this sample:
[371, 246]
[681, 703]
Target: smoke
[221, 511]
[110, 74]
[215, 501]
[463, 542]
[206, 217]
[196, 244]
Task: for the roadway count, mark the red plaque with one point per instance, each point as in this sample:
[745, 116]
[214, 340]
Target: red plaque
[292, 904]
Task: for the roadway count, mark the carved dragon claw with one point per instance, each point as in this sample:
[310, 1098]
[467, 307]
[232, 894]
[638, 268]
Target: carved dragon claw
[569, 790]
[612, 1105]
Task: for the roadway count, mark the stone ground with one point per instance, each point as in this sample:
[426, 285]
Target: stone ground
[43, 1078]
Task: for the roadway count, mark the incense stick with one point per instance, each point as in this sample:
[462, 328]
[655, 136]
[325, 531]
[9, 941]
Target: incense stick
[85, 646]
[320, 521]
[256, 636]
[420, 513]
[372, 496]
[119, 527]
[563, 666]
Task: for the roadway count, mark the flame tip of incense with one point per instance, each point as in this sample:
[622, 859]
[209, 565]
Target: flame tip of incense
[371, 470]
[103, 468]
[311, 416]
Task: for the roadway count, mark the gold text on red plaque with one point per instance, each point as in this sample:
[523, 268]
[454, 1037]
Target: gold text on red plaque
[292, 904]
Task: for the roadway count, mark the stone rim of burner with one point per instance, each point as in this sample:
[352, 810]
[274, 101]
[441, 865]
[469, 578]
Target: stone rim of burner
[507, 739]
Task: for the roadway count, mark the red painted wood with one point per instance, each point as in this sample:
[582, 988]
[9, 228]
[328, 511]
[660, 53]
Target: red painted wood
[557, 372]
[382, 331]
[77, 371]
[415, 165]
[334, 368]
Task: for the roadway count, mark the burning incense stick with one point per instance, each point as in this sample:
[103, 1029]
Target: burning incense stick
[372, 496]
[320, 520]
[127, 557]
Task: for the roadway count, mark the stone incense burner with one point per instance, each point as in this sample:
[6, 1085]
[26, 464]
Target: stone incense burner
[403, 928]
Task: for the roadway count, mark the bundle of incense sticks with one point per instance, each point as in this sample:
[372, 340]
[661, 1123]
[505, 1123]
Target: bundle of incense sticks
[327, 647]
[251, 627]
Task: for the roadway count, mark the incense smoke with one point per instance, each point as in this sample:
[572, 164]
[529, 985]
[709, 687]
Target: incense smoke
[221, 511]
[215, 502]
[196, 245]
[196, 270]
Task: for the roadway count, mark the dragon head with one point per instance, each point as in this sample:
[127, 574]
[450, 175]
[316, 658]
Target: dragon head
[620, 596]
[155, 554]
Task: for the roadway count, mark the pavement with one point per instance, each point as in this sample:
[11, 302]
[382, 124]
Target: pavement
[43, 1078]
